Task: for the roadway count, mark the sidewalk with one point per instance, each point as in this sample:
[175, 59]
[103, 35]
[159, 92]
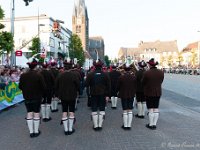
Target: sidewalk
[173, 131]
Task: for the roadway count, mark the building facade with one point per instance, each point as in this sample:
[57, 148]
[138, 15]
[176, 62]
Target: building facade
[165, 52]
[27, 28]
[80, 23]
[96, 47]
[191, 55]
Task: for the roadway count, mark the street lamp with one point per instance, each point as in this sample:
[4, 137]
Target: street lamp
[27, 2]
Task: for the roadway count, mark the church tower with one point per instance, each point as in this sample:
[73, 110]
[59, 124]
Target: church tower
[80, 23]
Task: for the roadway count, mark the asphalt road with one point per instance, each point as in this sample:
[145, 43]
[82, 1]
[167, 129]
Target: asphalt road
[178, 126]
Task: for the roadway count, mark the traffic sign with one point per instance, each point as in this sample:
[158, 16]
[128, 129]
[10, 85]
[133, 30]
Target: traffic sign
[18, 53]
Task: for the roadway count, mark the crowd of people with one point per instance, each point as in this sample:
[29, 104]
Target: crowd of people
[44, 86]
[9, 75]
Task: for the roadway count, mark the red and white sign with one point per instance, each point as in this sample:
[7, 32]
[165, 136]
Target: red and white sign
[18, 53]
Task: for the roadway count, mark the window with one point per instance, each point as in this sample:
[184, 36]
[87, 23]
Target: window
[51, 42]
[78, 29]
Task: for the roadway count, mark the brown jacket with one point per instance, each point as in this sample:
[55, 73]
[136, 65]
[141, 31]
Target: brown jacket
[152, 81]
[126, 86]
[32, 85]
[98, 82]
[67, 86]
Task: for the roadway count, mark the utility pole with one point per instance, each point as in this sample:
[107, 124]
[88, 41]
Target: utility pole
[12, 18]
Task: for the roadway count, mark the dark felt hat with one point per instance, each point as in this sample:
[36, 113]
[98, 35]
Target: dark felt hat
[152, 62]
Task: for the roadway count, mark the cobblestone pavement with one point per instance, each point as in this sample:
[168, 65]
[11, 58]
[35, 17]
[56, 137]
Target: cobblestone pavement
[177, 129]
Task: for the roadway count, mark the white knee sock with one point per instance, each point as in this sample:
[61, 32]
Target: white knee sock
[143, 108]
[65, 124]
[125, 119]
[151, 117]
[101, 118]
[30, 124]
[116, 98]
[71, 123]
[36, 124]
[155, 118]
[113, 101]
[139, 107]
[95, 119]
[48, 111]
[130, 117]
[43, 112]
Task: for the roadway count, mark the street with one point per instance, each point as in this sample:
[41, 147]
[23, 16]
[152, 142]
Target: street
[177, 126]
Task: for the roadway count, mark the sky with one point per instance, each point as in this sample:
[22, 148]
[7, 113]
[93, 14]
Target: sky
[124, 23]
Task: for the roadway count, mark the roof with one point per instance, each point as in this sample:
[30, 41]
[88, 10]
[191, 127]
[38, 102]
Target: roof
[128, 51]
[79, 8]
[160, 46]
[96, 42]
[191, 46]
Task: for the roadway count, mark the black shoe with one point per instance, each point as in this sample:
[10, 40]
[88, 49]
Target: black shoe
[114, 107]
[154, 127]
[128, 128]
[32, 135]
[37, 134]
[150, 127]
[48, 119]
[96, 129]
[55, 110]
[66, 132]
[44, 120]
[137, 116]
[125, 128]
[71, 132]
[100, 128]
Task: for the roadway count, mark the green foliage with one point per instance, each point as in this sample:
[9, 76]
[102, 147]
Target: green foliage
[35, 45]
[1, 17]
[6, 42]
[1, 13]
[115, 61]
[76, 49]
[107, 61]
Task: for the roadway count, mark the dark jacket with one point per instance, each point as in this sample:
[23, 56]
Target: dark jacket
[114, 76]
[139, 75]
[48, 78]
[98, 83]
[126, 86]
[32, 85]
[67, 86]
[152, 81]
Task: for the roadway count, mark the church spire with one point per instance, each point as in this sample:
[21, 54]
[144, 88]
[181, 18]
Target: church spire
[79, 8]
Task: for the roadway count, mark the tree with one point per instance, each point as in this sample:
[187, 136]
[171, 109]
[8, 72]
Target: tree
[193, 57]
[115, 60]
[76, 49]
[6, 43]
[1, 17]
[107, 61]
[170, 60]
[180, 58]
[35, 47]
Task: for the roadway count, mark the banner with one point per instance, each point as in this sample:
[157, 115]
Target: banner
[10, 95]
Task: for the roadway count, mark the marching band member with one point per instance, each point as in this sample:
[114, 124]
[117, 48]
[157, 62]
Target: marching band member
[141, 102]
[127, 89]
[67, 86]
[114, 76]
[152, 81]
[47, 97]
[99, 84]
[33, 86]
[55, 71]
